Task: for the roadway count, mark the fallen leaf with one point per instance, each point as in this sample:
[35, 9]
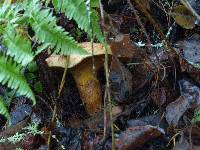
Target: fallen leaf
[183, 17]
[191, 92]
[188, 49]
[190, 98]
[195, 8]
[159, 96]
[153, 120]
[175, 110]
[121, 81]
[137, 136]
[122, 46]
[182, 144]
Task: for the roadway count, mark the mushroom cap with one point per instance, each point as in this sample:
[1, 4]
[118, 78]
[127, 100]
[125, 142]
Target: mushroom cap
[60, 61]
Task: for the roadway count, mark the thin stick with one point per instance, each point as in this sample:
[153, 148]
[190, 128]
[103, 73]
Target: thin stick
[52, 121]
[64, 76]
[105, 116]
[107, 81]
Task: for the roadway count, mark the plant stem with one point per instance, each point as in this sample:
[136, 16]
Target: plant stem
[107, 82]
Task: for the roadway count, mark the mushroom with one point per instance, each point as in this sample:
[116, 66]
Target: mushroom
[81, 68]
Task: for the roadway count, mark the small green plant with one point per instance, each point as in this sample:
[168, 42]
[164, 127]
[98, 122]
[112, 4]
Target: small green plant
[19, 46]
[3, 109]
[196, 117]
[31, 129]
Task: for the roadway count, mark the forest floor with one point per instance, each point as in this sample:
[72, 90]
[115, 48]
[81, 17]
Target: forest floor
[155, 87]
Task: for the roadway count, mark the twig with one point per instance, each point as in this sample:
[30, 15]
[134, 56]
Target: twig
[64, 76]
[105, 116]
[107, 81]
[52, 122]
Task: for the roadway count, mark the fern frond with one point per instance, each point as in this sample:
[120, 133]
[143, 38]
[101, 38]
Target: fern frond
[3, 109]
[19, 46]
[9, 13]
[11, 76]
[48, 32]
[77, 10]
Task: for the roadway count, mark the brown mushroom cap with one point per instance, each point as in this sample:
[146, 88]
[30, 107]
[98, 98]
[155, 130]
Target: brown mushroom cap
[60, 61]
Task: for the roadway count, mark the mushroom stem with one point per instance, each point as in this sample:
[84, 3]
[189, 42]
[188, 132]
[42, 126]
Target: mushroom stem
[88, 84]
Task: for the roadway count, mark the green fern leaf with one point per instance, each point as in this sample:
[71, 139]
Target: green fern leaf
[18, 46]
[77, 10]
[3, 109]
[10, 13]
[94, 3]
[47, 31]
[11, 76]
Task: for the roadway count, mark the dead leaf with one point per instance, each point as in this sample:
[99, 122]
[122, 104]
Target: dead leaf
[182, 144]
[194, 7]
[183, 17]
[188, 49]
[123, 47]
[121, 81]
[190, 98]
[191, 92]
[137, 136]
[159, 96]
[154, 120]
[175, 110]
